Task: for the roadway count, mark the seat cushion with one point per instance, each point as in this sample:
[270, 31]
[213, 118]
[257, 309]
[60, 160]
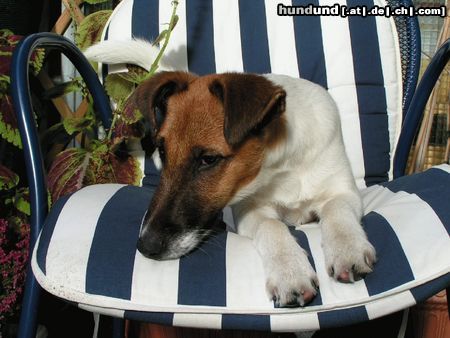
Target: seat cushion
[87, 254]
[357, 59]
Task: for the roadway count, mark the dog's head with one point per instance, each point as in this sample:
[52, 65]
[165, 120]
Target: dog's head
[211, 133]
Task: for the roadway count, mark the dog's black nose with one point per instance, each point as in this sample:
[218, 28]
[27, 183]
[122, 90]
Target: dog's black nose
[151, 247]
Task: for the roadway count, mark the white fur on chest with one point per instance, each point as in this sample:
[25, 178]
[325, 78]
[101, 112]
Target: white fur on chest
[311, 162]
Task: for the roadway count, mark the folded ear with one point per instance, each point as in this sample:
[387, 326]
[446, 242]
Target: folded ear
[152, 95]
[250, 103]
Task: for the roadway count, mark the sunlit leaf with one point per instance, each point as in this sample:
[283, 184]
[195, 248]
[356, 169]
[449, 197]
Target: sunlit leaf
[134, 74]
[130, 113]
[74, 125]
[109, 167]
[117, 87]
[90, 29]
[124, 130]
[22, 201]
[8, 42]
[8, 122]
[67, 172]
[37, 60]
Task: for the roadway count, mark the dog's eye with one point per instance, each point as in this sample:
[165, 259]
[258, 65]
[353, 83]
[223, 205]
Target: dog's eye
[208, 161]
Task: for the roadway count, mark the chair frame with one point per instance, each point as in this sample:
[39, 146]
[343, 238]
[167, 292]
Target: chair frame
[34, 160]
[32, 152]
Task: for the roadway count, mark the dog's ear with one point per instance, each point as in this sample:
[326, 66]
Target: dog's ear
[250, 103]
[152, 95]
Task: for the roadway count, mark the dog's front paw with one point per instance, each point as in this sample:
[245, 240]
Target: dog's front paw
[349, 258]
[291, 280]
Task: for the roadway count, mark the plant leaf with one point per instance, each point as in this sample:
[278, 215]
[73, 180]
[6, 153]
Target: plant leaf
[8, 178]
[37, 60]
[67, 172]
[8, 122]
[130, 113]
[109, 167]
[134, 74]
[4, 83]
[90, 29]
[8, 42]
[124, 130]
[22, 201]
[117, 87]
[5, 59]
[74, 125]
[93, 2]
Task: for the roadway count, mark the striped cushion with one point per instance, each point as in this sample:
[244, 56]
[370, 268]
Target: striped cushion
[357, 59]
[87, 254]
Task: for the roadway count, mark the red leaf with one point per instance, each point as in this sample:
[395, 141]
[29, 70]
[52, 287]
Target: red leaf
[7, 45]
[67, 172]
[7, 111]
[130, 112]
[5, 59]
[107, 167]
[124, 130]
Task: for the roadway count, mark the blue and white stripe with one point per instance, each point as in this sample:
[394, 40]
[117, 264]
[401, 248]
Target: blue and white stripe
[222, 285]
[356, 59]
[87, 254]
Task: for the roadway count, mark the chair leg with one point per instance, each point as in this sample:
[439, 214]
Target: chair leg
[118, 328]
[30, 303]
[111, 327]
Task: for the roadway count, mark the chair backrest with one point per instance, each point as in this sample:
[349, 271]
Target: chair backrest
[358, 59]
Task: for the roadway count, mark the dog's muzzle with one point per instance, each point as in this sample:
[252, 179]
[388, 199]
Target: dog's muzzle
[151, 246]
[162, 245]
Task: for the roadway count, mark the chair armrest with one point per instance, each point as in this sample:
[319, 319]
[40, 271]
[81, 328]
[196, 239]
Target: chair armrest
[20, 92]
[417, 106]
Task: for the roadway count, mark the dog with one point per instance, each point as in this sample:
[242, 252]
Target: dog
[271, 147]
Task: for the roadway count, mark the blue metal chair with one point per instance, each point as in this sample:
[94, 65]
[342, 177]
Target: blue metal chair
[32, 152]
[413, 105]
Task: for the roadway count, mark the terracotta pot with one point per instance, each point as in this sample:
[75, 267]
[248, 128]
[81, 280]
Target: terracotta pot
[430, 319]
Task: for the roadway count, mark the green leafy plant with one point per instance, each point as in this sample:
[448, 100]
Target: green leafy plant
[14, 195]
[102, 158]
[8, 122]
[96, 155]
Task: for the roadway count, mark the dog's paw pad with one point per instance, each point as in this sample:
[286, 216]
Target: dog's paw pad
[293, 297]
[345, 277]
[353, 274]
[351, 260]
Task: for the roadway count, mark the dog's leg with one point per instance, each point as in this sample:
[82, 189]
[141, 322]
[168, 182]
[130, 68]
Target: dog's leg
[348, 254]
[290, 278]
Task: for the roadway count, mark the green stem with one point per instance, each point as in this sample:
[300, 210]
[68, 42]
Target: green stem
[112, 126]
[155, 63]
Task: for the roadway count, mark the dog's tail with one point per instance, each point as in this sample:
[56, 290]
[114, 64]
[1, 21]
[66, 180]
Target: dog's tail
[133, 51]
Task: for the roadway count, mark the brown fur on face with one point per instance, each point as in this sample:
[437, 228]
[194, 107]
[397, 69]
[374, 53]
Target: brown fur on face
[231, 117]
